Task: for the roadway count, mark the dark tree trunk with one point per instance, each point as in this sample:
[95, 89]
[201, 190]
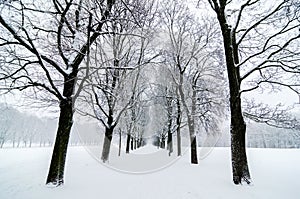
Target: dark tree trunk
[138, 143]
[1, 143]
[178, 122]
[238, 127]
[120, 142]
[163, 143]
[169, 134]
[169, 101]
[193, 141]
[57, 165]
[107, 143]
[238, 147]
[194, 158]
[131, 144]
[170, 142]
[191, 123]
[128, 143]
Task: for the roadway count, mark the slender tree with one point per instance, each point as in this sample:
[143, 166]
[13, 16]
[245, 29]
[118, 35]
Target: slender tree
[189, 58]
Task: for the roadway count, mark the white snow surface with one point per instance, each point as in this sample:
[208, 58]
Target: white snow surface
[275, 174]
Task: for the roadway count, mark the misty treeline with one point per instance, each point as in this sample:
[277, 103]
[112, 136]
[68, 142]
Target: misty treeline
[152, 68]
[19, 129]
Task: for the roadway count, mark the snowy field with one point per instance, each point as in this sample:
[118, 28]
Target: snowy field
[275, 173]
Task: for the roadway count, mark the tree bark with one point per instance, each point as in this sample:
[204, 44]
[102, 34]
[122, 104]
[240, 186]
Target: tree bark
[57, 165]
[191, 123]
[163, 142]
[128, 142]
[170, 143]
[120, 142]
[131, 144]
[193, 141]
[178, 122]
[107, 143]
[238, 127]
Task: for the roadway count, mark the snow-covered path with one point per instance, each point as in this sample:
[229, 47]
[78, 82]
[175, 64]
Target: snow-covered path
[275, 174]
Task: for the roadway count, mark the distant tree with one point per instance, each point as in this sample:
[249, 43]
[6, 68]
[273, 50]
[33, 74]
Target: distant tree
[119, 59]
[189, 56]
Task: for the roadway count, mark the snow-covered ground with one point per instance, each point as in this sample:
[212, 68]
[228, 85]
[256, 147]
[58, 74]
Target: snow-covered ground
[275, 173]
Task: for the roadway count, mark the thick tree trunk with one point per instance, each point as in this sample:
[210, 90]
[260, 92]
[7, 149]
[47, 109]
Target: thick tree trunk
[240, 169]
[128, 142]
[57, 165]
[107, 143]
[238, 127]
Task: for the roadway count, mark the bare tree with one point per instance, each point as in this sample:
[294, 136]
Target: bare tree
[189, 58]
[112, 87]
[260, 40]
[43, 45]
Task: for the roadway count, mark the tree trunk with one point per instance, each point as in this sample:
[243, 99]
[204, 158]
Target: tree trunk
[238, 127]
[169, 134]
[120, 142]
[128, 142]
[57, 165]
[131, 144]
[178, 122]
[163, 142]
[1, 143]
[191, 123]
[170, 142]
[193, 141]
[238, 147]
[107, 143]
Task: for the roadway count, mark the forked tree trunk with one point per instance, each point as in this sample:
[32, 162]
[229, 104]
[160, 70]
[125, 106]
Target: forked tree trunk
[191, 123]
[57, 165]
